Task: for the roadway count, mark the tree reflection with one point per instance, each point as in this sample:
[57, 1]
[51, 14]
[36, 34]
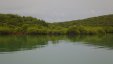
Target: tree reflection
[19, 43]
[103, 41]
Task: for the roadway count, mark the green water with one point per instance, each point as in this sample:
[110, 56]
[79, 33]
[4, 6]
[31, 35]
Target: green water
[93, 49]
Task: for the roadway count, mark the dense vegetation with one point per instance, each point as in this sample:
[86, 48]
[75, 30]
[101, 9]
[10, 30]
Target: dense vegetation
[15, 24]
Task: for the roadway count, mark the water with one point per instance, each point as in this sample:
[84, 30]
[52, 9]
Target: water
[93, 49]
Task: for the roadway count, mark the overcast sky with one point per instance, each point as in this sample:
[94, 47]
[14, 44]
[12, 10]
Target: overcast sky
[57, 10]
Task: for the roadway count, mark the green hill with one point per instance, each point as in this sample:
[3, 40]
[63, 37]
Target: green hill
[16, 20]
[105, 20]
[95, 25]
[15, 24]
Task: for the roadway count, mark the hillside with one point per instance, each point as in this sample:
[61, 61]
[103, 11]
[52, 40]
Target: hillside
[15, 24]
[105, 20]
[16, 20]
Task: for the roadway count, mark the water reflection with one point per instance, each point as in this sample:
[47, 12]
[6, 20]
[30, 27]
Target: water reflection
[18, 43]
[101, 41]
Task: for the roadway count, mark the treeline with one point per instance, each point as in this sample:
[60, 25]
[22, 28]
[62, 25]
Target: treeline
[15, 24]
[95, 25]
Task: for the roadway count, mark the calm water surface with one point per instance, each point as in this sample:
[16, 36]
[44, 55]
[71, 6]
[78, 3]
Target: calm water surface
[95, 49]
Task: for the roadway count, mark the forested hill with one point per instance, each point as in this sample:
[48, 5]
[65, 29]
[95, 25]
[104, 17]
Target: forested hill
[16, 20]
[15, 24]
[105, 20]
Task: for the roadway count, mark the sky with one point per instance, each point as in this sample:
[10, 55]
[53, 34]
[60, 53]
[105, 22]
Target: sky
[57, 10]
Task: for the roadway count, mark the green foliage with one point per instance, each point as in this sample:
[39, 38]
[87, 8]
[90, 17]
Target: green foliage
[36, 30]
[16, 20]
[106, 20]
[15, 24]
[5, 30]
[73, 30]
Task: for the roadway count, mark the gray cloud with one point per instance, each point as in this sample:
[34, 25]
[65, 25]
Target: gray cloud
[57, 10]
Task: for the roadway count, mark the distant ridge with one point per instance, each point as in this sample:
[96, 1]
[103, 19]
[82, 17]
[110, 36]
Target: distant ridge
[105, 20]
